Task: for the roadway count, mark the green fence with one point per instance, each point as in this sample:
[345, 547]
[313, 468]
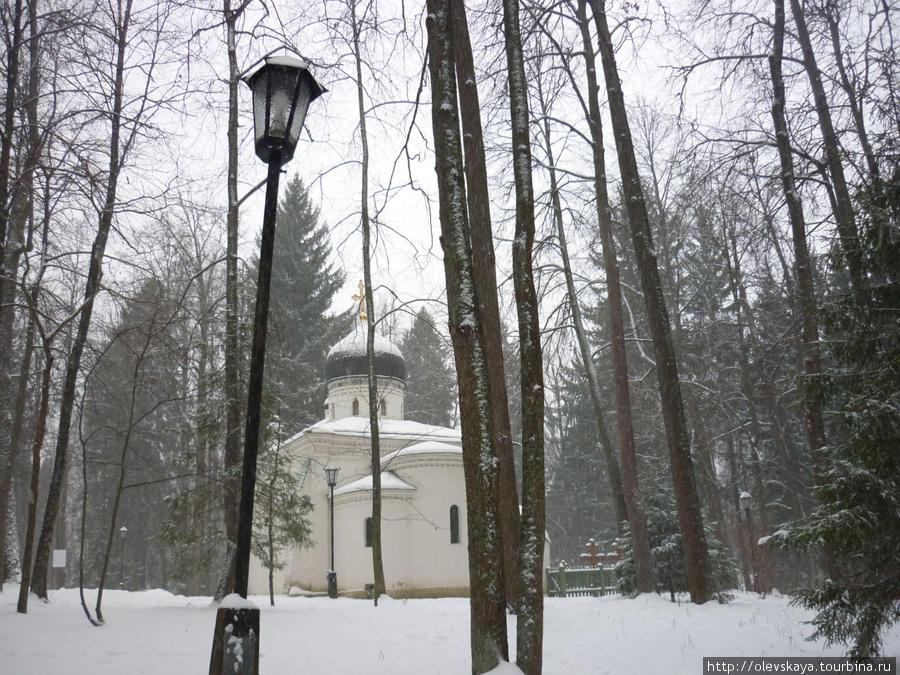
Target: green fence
[575, 581]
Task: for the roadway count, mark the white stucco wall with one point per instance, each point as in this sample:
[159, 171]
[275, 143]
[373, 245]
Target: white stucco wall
[342, 393]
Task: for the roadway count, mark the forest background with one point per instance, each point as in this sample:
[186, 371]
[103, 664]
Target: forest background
[119, 209]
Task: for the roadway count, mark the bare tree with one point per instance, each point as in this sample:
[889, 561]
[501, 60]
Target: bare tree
[843, 205]
[232, 349]
[128, 118]
[366, 225]
[530, 606]
[487, 602]
[15, 214]
[47, 337]
[485, 270]
[690, 517]
[627, 451]
[813, 418]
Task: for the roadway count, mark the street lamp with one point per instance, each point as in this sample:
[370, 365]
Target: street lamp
[331, 473]
[746, 501]
[282, 90]
[122, 532]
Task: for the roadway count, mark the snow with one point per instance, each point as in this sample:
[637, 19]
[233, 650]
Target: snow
[389, 481]
[780, 534]
[355, 343]
[424, 448]
[154, 631]
[235, 601]
[387, 428]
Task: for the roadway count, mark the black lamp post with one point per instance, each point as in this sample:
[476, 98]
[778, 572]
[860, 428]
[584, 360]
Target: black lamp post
[331, 472]
[122, 532]
[282, 89]
[746, 501]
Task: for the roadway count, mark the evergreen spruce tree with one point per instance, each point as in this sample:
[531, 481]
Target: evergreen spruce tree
[431, 386]
[579, 504]
[280, 510]
[302, 329]
[860, 513]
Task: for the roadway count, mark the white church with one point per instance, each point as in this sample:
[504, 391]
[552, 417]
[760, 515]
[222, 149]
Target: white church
[422, 483]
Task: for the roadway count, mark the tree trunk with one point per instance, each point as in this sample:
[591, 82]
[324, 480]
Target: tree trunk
[706, 463]
[9, 524]
[232, 458]
[581, 338]
[530, 605]
[487, 602]
[843, 211]
[271, 533]
[630, 489]
[7, 139]
[696, 554]
[36, 446]
[372, 376]
[813, 420]
[854, 98]
[747, 342]
[485, 271]
[12, 245]
[92, 286]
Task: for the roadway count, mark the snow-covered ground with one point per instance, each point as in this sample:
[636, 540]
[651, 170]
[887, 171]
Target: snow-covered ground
[156, 632]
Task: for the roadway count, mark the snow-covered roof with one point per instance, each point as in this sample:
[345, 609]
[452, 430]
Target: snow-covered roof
[424, 448]
[387, 428]
[389, 481]
[355, 343]
[348, 358]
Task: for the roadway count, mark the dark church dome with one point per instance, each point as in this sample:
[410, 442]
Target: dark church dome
[348, 357]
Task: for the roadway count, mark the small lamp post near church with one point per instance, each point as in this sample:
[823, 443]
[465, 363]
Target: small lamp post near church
[282, 89]
[123, 531]
[331, 472]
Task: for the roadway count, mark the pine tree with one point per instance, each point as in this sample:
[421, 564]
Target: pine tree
[302, 329]
[431, 387]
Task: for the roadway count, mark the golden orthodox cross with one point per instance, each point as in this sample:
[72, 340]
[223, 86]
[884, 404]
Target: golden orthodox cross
[361, 298]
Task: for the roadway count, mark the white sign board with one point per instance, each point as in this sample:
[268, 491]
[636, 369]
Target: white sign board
[59, 557]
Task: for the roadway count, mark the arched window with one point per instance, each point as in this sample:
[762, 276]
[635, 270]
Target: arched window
[384, 407]
[454, 524]
[368, 533]
[356, 407]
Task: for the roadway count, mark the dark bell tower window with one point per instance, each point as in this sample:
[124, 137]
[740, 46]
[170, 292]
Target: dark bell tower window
[356, 407]
[368, 533]
[454, 524]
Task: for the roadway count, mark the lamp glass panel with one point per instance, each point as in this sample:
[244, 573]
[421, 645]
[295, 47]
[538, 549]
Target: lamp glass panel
[283, 83]
[259, 107]
[301, 106]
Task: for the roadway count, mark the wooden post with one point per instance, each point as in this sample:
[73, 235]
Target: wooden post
[593, 555]
[235, 648]
[562, 579]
